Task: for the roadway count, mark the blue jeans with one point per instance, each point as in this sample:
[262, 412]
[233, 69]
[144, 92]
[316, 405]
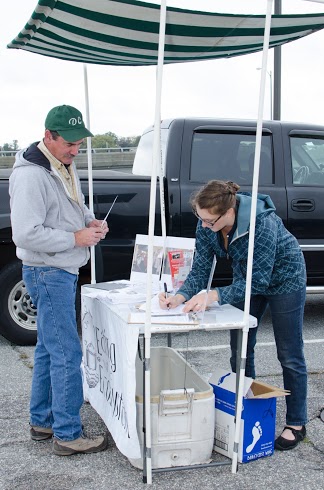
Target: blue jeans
[56, 395]
[287, 311]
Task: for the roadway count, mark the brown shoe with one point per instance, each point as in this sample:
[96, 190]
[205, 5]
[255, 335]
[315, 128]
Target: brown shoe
[81, 445]
[40, 433]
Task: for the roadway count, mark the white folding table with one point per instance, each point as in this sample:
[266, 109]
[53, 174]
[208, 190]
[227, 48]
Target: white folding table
[110, 346]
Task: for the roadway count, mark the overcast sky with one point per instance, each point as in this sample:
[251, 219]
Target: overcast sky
[122, 99]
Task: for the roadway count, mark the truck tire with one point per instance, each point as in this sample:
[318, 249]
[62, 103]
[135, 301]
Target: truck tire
[18, 315]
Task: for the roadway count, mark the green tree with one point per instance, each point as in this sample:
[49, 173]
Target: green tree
[111, 140]
[128, 141]
[107, 140]
[11, 146]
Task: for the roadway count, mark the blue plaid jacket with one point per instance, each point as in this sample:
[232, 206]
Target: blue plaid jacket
[278, 262]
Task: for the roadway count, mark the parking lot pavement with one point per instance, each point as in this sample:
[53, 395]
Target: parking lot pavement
[28, 465]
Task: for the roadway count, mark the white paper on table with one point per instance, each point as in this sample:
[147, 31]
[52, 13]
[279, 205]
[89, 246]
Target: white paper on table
[156, 308]
[161, 315]
[128, 293]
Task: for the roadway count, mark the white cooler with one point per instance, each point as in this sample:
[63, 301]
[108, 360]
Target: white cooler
[182, 411]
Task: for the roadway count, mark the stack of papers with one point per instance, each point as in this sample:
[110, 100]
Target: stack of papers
[119, 292]
[125, 296]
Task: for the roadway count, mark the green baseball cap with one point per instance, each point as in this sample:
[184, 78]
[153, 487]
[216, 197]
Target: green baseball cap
[68, 122]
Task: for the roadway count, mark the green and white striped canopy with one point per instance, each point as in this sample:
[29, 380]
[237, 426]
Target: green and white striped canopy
[126, 32]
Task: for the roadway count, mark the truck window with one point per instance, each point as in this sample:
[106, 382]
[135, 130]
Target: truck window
[307, 160]
[229, 156]
[144, 153]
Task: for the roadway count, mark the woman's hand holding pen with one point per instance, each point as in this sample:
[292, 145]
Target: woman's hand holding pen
[196, 303]
[167, 301]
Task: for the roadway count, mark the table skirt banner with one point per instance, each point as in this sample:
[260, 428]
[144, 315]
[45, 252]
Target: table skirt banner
[109, 351]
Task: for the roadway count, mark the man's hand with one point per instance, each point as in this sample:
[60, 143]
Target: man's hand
[87, 237]
[96, 223]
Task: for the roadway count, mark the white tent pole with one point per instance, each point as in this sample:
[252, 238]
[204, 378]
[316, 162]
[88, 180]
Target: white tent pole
[160, 166]
[147, 334]
[241, 373]
[90, 178]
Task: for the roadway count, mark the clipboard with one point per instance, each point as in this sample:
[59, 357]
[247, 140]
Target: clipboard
[177, 319]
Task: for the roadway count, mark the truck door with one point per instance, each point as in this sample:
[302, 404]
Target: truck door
[224, 150]
[304, 154]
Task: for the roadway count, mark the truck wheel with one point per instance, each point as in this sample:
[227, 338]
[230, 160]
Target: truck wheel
[18, 315]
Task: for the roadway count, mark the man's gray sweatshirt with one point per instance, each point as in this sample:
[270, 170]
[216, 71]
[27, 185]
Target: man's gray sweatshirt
[43, 216]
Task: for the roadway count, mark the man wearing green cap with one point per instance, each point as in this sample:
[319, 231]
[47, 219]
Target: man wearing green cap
[53, 230]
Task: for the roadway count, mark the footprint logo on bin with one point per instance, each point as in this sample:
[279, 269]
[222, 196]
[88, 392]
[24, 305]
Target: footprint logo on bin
[256, 434]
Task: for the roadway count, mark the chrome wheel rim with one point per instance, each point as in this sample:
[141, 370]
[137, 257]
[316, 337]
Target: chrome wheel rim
[21, 308]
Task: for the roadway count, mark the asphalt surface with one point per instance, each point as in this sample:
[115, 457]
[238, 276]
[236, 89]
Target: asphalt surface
[28, 465]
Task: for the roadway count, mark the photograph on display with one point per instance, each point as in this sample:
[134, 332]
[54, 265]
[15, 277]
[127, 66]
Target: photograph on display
[172, 260]
[140, 259]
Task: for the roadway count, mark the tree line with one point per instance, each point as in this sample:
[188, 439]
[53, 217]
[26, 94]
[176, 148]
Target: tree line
[107, 140]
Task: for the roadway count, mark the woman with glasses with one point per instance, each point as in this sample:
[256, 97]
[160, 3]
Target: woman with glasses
[278, 281]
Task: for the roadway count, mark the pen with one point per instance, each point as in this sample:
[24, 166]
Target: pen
[166, 292]
[109, 211]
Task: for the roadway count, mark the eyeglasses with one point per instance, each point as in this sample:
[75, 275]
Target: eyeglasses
[207, 222]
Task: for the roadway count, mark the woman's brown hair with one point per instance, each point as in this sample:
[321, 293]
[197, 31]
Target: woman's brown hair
[217, 196]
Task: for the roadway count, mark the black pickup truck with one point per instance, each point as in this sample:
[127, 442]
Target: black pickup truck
[193, 152]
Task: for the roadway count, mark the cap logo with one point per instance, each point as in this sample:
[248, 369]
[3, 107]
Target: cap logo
[75, 120]
[68, 122]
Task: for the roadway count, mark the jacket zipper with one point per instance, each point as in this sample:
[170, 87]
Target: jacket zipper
[222, 244]
[69, 198]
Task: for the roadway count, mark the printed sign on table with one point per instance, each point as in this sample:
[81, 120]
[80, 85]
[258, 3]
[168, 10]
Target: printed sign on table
[165, 270]
[109, 352]
[180, 264]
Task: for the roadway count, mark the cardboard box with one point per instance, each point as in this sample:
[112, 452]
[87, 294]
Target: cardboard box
[258, 416]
